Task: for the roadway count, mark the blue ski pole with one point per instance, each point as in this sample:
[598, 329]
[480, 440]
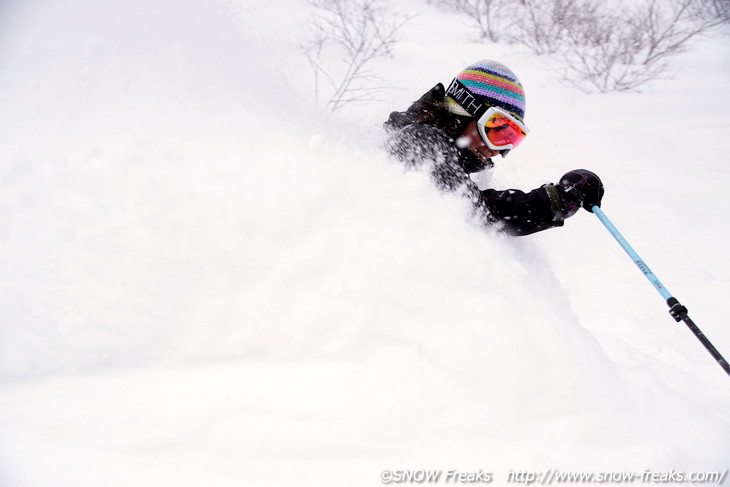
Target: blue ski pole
[676, 310]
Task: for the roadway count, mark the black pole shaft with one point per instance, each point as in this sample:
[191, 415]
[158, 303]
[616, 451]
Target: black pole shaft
[679, 313]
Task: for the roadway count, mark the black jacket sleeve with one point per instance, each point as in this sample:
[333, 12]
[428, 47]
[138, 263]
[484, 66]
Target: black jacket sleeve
[523, 213]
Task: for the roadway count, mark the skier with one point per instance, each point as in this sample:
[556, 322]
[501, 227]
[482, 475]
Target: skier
[457, 131]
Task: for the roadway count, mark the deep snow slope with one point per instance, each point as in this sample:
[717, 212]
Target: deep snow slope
[203, 283]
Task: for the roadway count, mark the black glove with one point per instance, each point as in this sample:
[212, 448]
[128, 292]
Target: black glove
[580, 187]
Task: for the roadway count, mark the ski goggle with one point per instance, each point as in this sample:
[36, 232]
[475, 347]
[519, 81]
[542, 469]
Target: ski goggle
[500, 130]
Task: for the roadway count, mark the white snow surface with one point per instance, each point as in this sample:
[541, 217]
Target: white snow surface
[202, 282]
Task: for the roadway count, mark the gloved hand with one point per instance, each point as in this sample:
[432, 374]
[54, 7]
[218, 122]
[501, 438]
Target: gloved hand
[580, 187]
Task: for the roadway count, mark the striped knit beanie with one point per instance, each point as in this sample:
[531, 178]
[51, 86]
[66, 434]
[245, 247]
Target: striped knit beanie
[494, 84]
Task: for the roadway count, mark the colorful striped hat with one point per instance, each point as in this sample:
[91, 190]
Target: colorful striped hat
[493, 84]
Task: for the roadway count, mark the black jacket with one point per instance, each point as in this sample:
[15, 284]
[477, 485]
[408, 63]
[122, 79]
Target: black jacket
[425, 134]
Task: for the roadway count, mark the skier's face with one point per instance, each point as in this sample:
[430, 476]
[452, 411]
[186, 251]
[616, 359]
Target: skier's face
[472, 140]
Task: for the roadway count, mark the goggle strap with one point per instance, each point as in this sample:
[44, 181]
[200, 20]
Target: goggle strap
[466, 99]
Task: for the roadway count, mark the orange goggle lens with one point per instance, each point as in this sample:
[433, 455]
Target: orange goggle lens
[502, 131]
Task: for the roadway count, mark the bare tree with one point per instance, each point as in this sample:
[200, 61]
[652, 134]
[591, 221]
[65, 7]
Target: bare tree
[355, 32]
[668, 27]
[600, 55]
[719, 9]
[600, 48]
[620, 51]
[488, 15]
[544, 23]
